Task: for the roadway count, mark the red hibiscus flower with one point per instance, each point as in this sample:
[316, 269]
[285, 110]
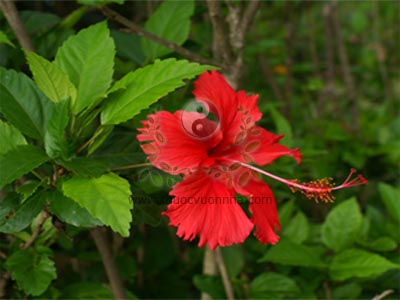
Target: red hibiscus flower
[212, 146]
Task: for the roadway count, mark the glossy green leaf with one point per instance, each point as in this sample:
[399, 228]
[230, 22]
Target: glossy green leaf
[342, 225]
[139, 89]
[170, 21]
[382, 244]
[10, 137]
[54, 83]
[359, 263]
[289, 253]
[23, 104]
[70, 212]
[23, 215]
[21, 160]
[54, 139]
[88, 59]
[272, 286]
[391, 198]
[32, 270]
[298, 229]
[4, 39]
[107, 198]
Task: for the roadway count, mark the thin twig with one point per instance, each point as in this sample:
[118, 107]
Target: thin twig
[36, 232]
[103, 245]
[224, 274]
[113, 15]
[383, 295]
[10, 12]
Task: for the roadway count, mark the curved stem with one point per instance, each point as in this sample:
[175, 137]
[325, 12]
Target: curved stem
[103, 245]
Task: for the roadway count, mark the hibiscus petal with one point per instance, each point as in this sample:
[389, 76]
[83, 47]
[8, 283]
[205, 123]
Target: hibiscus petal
[236, 111]
[261, 147]
[263, 209]
[205, 206]
[169, 145]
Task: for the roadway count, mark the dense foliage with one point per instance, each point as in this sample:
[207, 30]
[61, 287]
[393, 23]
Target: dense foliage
[327, 76]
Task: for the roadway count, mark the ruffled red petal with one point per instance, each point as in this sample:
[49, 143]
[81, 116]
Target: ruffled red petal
[170, 147]
[236, 111]
[263, 209]
[203, 205]
[261, 147]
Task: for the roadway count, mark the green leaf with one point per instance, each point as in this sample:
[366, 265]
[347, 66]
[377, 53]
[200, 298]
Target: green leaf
[359, 263]
[348, 291]
[70, 212]
[285, 213]
[391, 198]
[55, 143]
[99, 2]
[27, 188]
[282, 126]
[292, 254]
[23, 215]
[170, 21]
[234, 260]
[88, 59]
[21, 160]
[87, 290]
[32, 270]
[10, 137]
[342, 225]
[272, 286]
[23, 104]
[100, 139]
[107, 198]
[145, 86]
[298, 229]
[54, 83]
[381, 244]
[85, 166]
[211, 285]
[4, 39]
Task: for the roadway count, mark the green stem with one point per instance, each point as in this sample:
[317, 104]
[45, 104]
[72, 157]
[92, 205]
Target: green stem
[88, 142]
[135, 166]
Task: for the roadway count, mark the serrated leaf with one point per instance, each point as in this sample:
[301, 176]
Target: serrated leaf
[23, 215]
[10, 137]
[4, 39]
[27, 188]
[288, 253]
[139, 89]
[54, 140]
[170, 21]
[70, 212]
[21, 160]
[359, 263]
[33, 271]
[342, 225]
[298, 229]
[88, 59]
[54, 83]
[272, 286]
[391, 198]
[23, 104]
[107, 198]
